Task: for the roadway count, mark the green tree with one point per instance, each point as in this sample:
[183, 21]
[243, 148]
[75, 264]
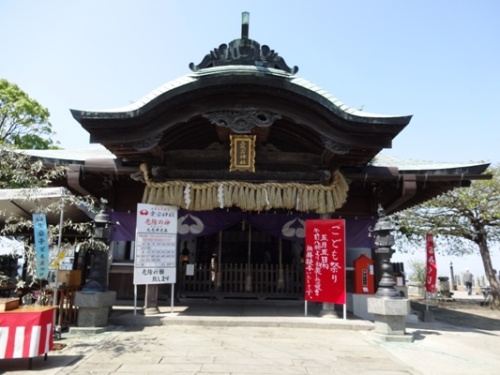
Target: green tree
[464, 221]
[418, 272]
[19, 170]
[24, 123]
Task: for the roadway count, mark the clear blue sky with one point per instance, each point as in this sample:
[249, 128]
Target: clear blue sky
[436, 60]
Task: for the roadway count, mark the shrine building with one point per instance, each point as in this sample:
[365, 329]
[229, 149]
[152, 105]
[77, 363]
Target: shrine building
[248, 151]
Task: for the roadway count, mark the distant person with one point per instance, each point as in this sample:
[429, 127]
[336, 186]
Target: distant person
[468, 281]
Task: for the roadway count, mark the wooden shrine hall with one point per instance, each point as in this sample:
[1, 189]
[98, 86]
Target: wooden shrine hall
[248, 151]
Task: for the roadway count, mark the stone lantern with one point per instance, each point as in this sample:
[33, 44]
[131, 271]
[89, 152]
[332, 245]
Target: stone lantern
[94, 301]
[384, 241]
[387, 306]
[99, 266]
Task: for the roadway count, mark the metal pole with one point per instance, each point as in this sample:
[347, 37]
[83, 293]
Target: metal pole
[135, 299]
[55, 302]
[172, 298]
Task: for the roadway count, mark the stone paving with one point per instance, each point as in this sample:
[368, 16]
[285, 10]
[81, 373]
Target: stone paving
[287, 347]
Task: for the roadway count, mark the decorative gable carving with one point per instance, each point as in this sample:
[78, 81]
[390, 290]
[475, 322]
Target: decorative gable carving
[244, 120]
[335, 147]
[148, 143]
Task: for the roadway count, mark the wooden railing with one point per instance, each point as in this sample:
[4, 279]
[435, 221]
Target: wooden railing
[244, 281]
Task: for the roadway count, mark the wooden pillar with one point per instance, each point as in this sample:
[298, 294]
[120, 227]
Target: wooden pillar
[248, 283]
[218, 275]
[281, 281]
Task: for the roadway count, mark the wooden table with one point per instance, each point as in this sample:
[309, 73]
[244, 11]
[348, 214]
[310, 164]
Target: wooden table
[26, 332]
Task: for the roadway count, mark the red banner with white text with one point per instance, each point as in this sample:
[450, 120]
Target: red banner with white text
[325, 261]
[431, 267]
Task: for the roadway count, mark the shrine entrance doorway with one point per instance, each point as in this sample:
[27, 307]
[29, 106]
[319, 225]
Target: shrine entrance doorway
[241, 262]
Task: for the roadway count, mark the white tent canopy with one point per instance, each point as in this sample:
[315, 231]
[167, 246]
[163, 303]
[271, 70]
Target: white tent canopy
[11, 246]
[25, 202]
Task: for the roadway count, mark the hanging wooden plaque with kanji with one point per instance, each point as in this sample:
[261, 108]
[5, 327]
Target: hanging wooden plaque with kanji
[242, 153]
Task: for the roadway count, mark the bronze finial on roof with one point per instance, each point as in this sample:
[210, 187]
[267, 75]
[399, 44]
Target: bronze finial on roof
[244, 51]
[245, 25]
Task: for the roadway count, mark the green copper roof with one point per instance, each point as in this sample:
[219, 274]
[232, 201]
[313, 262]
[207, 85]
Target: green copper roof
[298, 83]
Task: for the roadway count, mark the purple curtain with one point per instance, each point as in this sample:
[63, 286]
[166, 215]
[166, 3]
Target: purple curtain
[124, 226]
[202, 223]
[356, 232]
[289, 226]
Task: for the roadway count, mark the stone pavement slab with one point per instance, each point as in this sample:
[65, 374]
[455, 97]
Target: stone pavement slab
[191, 349]
[216, 350]
[227, 340]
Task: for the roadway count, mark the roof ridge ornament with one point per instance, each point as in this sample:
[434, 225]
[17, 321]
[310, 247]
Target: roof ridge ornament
[244, 51]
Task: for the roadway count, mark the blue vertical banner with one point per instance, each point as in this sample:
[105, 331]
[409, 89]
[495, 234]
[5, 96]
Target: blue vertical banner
[41, 246]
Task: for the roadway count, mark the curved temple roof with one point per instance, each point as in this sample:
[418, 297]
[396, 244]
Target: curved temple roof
[235, 80]
[303, 133]
[141, 106]
[311, 119]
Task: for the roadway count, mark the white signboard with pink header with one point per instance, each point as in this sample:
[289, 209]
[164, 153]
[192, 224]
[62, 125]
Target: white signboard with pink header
[155, 244]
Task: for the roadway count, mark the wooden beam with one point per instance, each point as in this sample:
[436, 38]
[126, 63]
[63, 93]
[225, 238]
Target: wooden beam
[258, 176]
[260, 157]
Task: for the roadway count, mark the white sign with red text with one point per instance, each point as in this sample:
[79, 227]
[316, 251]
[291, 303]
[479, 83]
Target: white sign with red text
[155, 244]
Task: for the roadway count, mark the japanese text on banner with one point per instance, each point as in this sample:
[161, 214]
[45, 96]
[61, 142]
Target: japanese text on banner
[41, 246]
[431, 267]
[325, 261]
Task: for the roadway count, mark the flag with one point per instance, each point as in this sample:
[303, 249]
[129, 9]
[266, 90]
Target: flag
[41, 246]
[324, 261]
[430, 267]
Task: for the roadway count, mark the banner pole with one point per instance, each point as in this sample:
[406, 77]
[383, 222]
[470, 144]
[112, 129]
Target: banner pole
[135, 299]
[172, 298]
[55, 294]
[59, 243]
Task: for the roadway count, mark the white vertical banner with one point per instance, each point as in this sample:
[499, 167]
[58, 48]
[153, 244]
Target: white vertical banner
[155, 244]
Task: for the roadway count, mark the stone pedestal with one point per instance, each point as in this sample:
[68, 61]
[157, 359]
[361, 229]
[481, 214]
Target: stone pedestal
[428, 316]
[358, 305]
[390, 316]
[328, 311]
[93, 308]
